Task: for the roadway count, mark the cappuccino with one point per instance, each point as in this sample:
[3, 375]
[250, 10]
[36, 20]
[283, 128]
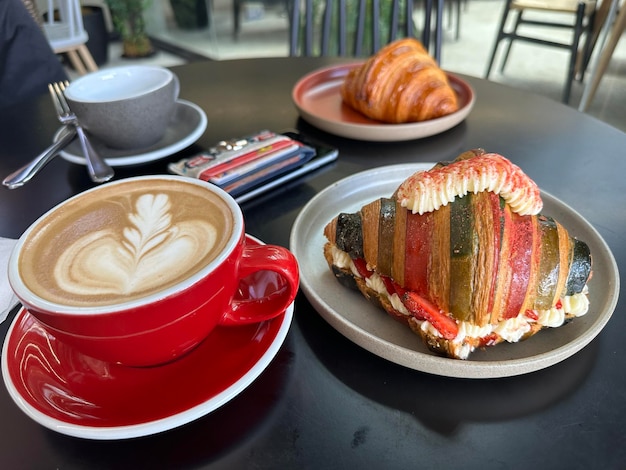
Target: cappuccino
[124, 242]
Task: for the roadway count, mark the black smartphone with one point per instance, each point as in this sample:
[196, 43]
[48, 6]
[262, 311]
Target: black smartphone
[323, 155]
[252, 165]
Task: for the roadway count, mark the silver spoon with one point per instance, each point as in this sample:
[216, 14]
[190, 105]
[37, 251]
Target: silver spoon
[23, 175]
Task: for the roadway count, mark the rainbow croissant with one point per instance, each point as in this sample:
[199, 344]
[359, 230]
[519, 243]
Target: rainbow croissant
[462, 254]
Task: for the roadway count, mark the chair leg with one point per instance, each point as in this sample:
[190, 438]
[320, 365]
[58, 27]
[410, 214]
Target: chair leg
[612, 36]
[82, 60]
[595, 25]
[76, 62]
[438, 30]
[582, 59]
[499, 37]
[236, 17]
[428, 15]
[511, 37]
[457, 33]
[294, 27]
[578, 30]
[87, 58]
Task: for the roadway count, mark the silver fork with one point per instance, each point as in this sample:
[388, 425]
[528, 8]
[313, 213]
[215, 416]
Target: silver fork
[99, 169]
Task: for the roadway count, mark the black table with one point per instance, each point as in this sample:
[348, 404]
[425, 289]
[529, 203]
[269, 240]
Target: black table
[325, 402]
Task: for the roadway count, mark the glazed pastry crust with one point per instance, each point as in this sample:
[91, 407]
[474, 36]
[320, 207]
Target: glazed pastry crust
[402, 83]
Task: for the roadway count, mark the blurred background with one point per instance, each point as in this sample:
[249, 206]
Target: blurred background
[190, 30]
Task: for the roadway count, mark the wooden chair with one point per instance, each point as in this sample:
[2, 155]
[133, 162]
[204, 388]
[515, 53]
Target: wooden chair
[581, 12]
[63, 26]
[336, 30]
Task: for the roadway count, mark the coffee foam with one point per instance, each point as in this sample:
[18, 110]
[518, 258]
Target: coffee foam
[119, 245]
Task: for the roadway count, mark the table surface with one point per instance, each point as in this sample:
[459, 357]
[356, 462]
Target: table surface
[324, 402]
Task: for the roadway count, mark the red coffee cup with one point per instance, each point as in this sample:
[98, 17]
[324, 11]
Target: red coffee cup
[140, 271]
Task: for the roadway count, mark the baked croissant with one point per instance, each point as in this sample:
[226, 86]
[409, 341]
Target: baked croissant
[400, 84]
[463, 256]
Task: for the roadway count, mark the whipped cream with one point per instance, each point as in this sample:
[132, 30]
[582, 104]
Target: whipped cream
[510, 330]
[427, 191]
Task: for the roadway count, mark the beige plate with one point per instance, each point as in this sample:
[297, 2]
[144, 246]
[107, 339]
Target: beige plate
[363, 323]
[317, 98]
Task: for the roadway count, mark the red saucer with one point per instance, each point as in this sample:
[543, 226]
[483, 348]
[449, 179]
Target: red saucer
[77, 395]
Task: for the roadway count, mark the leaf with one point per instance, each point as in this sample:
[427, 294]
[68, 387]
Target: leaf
[151, 222]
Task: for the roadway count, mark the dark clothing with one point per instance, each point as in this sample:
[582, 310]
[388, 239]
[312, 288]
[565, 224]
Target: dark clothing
[27, 62]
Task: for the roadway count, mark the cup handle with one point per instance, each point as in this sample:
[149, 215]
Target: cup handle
[176, 86]
[255, 260]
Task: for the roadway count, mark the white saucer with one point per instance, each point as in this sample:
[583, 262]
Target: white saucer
[188, 124]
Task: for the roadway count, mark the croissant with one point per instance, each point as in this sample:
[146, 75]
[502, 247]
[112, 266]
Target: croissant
[400, 84]
[462, 255]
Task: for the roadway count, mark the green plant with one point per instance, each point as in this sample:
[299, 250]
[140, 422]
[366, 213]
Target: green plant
[129, 22]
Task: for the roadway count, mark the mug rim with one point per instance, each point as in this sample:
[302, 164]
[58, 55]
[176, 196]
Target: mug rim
[71, 94]
[22, 291]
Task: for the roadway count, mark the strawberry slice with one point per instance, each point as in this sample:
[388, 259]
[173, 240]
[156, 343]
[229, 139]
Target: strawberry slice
[531, 314]
[361, 267]
[422, 309]
[389, 284]
[399, 289]
[489, 340]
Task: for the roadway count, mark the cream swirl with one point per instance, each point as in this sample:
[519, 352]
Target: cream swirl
[427, 191]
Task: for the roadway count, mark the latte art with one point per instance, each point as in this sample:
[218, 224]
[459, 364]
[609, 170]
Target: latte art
[148, 253]
[125, 242]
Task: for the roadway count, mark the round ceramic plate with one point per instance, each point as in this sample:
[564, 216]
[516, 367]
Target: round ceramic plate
[188, 124]
[74, 394]
[371, 328]
[319, 102]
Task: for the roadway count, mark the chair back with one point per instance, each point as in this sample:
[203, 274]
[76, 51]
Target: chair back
[562, 6]
[63, 25]
[353, 27]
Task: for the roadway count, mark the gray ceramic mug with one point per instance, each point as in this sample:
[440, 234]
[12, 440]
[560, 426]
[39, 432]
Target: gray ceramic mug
[127, 107]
